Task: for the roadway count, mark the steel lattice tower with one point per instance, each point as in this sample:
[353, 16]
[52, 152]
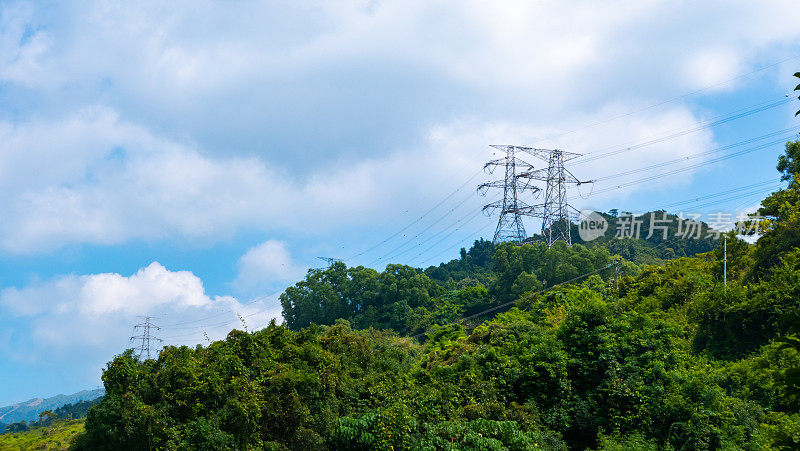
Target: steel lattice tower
[145, 348]
[509, 226]
[555, 212]
[330, 260]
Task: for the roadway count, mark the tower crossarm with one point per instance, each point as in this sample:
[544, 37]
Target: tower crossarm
[545, 154]
[493, 206]
[536, 211]
[545, 175]
[518, 162]
[524, 185]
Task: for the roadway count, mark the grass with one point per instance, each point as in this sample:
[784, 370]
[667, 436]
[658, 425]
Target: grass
[56, 437]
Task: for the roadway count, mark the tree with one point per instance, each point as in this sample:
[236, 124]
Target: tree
[46, 418]
[782, 210]
[21, 426]
[797, 74]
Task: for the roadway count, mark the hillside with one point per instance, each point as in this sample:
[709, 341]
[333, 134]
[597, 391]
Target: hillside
[58, 436]
[30, 410]
[410, 300]
[553, 355]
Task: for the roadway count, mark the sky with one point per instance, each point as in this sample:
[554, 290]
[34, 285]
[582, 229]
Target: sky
[190, 160]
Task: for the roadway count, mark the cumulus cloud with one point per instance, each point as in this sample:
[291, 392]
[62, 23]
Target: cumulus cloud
[94, 314]
[264, 265]
[292, 81]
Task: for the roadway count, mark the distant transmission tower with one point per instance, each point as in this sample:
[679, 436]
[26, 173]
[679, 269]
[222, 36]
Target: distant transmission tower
[555, 211]
[330, 261]
[509, 226]
[146, 348]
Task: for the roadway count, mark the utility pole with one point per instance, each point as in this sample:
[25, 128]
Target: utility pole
[555, 212]
[509, 225]
[146, 337]
[725, 264]
[613, 282]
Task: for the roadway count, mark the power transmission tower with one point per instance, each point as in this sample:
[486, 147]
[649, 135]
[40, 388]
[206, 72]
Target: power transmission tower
[725, 264]
[509, 225]
[555, 212]
[330, 261]
[146, 348]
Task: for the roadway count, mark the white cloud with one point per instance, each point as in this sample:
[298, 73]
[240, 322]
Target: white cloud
[21, 49]
[712, 67]
[139, 125]
[93, 315]
[264, 265]
[305, 115]
[305, 82]
[93, 178]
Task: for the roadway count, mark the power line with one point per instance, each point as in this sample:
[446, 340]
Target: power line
[664, 102]
[416, 220]
[592, 156]
[675, 171]
[506, 304]
[197, 329]
[458, 243]
[700, 154]
[770, 183]
[170, 326]
[404, 243]
[469, 218]
[433, 246]
[747, 110]
[728, 199]
[471, 235]
[760, 107]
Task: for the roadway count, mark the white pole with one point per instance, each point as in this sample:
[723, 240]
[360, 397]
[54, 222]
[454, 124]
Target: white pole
[725, 265]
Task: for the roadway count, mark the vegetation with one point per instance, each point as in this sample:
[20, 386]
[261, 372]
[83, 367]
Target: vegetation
[665, 243]
[57, 436]
[666, 357]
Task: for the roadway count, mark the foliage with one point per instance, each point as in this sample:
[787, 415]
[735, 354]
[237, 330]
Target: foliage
[76, 410]
[57, 436]
[652, 248]
[782, 209]
[408, 301]
[797, 74]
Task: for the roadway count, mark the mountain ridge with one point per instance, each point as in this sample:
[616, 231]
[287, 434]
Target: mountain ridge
[30, 409]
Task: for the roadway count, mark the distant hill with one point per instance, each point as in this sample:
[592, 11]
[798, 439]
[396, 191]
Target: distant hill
[651, 247]
[30, 409]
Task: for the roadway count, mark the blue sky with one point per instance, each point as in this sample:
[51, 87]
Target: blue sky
[190, 160]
